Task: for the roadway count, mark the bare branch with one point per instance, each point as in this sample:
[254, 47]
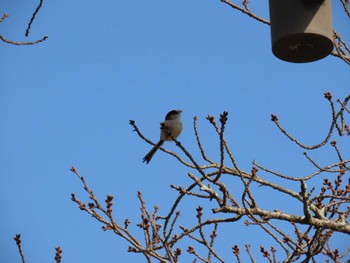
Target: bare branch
[4, 16]
[199, 143]
[246, 11]
[23, 43]
[247, 246]
[33, 17]
[136, 129]
[324, 223]
[58, 255]
[235, 251]
[323, 214]
[345, 5]
[18, 240]
[330, 132]
[306, 201]
[342, 50]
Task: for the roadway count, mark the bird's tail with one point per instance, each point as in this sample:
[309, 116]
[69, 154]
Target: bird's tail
[149, 155]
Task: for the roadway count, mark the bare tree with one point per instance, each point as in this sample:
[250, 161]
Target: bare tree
[325, 206]
[325, 203]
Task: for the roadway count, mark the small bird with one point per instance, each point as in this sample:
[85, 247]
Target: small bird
[170, 129]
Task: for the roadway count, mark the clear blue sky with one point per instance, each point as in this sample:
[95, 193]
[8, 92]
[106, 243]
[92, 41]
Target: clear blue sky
[68, 101]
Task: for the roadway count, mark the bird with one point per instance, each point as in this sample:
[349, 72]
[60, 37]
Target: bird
[170, 129]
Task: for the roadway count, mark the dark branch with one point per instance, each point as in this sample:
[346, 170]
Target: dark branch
[33, 17]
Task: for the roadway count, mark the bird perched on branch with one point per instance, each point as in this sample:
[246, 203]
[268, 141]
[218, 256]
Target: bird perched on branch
[169, 129]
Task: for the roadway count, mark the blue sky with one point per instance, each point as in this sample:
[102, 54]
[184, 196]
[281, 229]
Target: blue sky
[68, 101]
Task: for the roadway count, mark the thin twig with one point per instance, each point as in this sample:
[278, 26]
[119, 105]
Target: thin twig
[17, 238]
[58, 254]
[339, 44]
[246, 11]
[33, 17]
[23, 43]
[136, 129]
[4, 16]
[204, 240]
[247, 246]
[199, 143]
[345, 5]
[329, 135]
[348, 110]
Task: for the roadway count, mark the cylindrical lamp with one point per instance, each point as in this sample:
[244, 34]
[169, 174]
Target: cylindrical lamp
[301, 30]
